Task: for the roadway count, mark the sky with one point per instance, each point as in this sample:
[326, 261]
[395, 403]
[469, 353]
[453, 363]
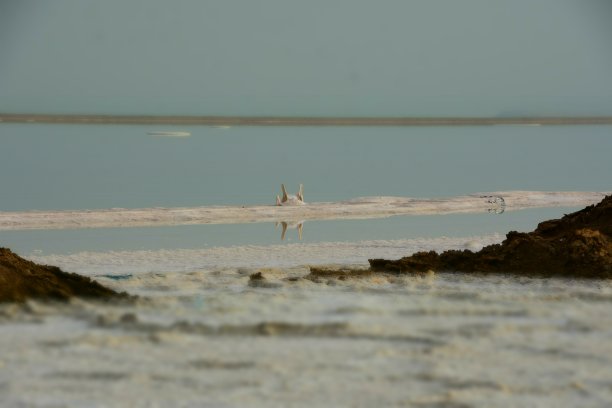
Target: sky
[307, 58]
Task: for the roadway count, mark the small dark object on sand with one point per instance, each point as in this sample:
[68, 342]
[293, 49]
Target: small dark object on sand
[316, 274]
[21, 280]
[256, 277]
[257, 280]
[579, 245]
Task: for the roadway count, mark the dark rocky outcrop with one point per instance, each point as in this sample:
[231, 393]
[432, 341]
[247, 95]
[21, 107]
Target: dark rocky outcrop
[319, 274]
[21, 279]
[577, 245]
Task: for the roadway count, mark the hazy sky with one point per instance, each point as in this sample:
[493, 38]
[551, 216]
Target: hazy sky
[316, 57]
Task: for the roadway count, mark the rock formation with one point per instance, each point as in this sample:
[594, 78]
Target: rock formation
[21, 279]
[577, 245]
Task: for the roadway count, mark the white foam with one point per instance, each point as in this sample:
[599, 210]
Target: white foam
[178, 260]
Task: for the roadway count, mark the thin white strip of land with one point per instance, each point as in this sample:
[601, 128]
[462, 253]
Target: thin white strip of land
[302, 120]
[359, 208]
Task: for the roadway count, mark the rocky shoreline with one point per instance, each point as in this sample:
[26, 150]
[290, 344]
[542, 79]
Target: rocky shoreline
[21, 280]
[579, 245]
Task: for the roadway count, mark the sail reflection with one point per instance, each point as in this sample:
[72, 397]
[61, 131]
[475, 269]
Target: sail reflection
[298, 225]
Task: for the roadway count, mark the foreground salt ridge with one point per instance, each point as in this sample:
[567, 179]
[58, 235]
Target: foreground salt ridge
[359, 208]
[93, 263]
[423, 340]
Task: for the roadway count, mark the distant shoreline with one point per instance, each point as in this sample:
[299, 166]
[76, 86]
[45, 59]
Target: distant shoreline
[301, 121]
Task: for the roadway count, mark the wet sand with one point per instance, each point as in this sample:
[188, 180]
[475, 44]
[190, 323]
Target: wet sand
[302, 121]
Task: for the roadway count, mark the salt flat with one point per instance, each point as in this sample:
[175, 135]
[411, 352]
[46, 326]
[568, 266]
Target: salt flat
[359, 208]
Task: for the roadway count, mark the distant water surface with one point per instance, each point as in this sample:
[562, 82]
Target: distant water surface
[101, 166]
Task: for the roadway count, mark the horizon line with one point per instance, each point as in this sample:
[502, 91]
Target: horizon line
[301, 120]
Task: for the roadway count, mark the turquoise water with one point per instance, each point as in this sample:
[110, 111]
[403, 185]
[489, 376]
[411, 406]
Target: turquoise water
[85, 167]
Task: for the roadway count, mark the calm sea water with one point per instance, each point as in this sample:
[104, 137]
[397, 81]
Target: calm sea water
[202, 335]
[85, 167]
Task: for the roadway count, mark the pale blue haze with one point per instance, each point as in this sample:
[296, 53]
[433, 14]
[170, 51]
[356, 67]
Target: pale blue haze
[277, 57]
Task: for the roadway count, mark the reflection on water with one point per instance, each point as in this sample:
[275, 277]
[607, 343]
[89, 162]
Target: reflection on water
[298, 225]
[64, 241]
